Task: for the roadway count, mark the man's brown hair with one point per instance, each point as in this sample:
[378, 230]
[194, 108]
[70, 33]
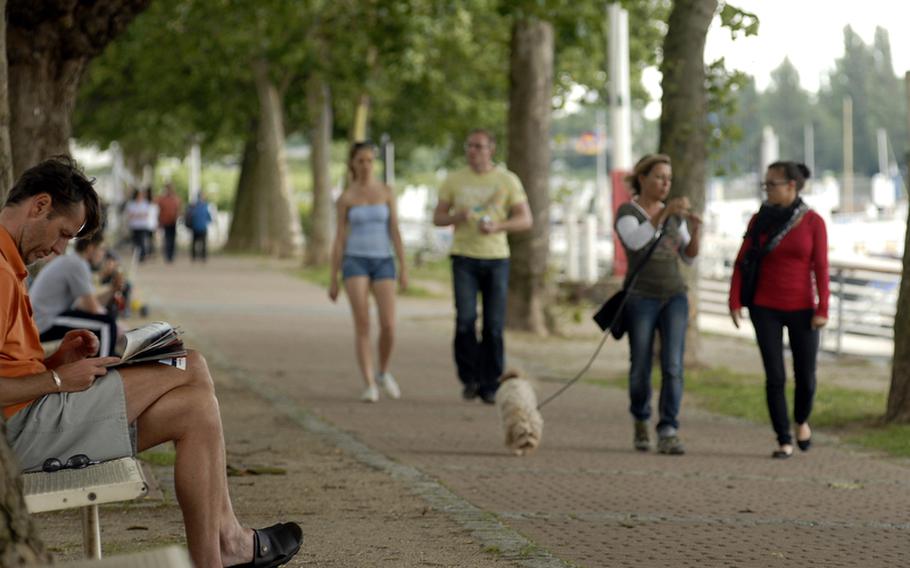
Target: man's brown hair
[62, 179]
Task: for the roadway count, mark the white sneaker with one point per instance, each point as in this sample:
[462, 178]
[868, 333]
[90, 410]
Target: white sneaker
[389, 385]
[371, 394]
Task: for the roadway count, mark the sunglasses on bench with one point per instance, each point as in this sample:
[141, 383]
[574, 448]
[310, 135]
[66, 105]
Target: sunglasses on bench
[77, 461]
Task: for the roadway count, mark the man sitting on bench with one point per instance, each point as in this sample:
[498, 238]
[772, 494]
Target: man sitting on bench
[71, 403]
[64, 298]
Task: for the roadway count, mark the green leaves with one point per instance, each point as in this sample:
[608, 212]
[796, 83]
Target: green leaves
[738, 21]
[432, 69]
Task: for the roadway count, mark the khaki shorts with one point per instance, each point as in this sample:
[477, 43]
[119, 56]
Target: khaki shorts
[61, 425]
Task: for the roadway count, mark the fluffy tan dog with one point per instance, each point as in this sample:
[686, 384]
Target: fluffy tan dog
[521, 421]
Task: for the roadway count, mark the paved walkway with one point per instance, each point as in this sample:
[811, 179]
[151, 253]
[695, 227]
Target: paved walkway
[586, 498]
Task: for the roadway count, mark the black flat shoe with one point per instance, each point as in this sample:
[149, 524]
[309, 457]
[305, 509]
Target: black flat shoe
[781, 454]
[469, 392]
[804, 445]
[274, 546]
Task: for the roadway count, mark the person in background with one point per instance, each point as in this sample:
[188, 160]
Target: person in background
[152, 222]
[168, 211]
[112, 273]
[366, 236]
[484, 202]
[790, 278]
[137, 212]
[64, 297]
[658, 303]
[199, 217]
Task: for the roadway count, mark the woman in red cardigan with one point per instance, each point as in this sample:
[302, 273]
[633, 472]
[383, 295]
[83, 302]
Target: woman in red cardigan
[789, 288]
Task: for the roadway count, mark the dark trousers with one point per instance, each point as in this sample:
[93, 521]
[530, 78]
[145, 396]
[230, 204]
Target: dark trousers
[141, 242]
[769, 325]
[199, 242]
[480, 363]
[170, 242]
[102, 325]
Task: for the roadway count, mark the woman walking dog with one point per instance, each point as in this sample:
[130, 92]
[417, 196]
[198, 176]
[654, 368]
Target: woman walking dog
[657, 303]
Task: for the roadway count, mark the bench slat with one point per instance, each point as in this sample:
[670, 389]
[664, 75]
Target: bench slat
[107, 482]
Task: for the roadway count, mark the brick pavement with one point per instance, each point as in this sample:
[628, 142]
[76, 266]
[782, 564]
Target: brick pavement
[586, 498]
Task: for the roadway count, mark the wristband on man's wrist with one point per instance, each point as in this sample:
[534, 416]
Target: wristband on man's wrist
[57, 380]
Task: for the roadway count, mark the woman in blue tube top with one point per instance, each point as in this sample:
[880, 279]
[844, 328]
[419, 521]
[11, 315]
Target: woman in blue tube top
[367, 233]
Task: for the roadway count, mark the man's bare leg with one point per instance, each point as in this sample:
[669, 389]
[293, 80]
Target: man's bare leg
[169, 404]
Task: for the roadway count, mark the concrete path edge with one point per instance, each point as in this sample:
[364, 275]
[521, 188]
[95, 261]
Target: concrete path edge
[492, 535]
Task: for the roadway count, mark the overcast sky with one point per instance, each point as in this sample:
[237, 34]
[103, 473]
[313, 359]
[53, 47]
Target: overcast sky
[809, 32]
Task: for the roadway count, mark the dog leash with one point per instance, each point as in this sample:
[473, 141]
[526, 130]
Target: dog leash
[631, 279]
[591, 360]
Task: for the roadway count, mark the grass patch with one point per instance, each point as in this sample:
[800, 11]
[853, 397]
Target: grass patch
[159, 457]
[437, 270]
[492, 549]
[893, 439]
[318, 275]
[854, 414]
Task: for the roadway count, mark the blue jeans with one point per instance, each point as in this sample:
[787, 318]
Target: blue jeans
[480, 363]
[644, 317]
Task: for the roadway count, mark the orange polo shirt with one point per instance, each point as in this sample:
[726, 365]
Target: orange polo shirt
[20, 347]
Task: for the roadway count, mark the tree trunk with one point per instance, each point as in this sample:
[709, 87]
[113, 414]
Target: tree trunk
[683, 122]
[269, 223]
[244, 233]
[49, 44]
[20, 544]
[6, 158]
[899, 394]
[42, 97]
[530, 104]
[19, 541]
[140, 163]
[319, 235]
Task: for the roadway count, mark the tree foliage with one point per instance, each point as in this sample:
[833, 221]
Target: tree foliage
[183, 73]
[432, 69]
[865, 73]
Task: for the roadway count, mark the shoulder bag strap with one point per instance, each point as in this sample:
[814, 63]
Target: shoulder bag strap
[779, 236]
[633, 275]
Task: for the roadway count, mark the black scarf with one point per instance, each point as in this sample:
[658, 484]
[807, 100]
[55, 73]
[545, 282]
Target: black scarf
[771, 218]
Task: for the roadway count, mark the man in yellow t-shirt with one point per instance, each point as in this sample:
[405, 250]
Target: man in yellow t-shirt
[484, 202]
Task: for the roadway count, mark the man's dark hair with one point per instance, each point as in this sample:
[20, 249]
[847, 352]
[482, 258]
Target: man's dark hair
[62, 179]
[95, 240]
[491, 138]
[793, 171]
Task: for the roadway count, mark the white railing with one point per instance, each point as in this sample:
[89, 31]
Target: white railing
[861, 308]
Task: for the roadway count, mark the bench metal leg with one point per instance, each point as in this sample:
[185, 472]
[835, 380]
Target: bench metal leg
[91, 532]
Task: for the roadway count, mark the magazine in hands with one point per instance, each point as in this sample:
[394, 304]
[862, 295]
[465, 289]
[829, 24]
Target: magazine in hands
[156, 341]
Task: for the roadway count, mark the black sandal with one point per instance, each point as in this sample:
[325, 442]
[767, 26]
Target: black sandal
[804, 445]
[274, 546]
[781, 454]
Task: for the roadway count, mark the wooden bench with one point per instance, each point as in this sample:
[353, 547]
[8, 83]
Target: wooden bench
[106, 482]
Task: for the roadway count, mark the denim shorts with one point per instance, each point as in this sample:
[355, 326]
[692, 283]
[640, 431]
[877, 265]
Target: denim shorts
[374, 268]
